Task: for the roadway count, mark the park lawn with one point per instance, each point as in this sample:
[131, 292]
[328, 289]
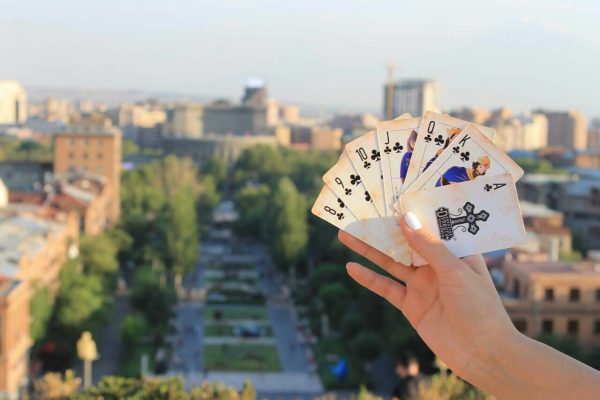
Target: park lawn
[225, 330]
[241, 357]
[236, 312]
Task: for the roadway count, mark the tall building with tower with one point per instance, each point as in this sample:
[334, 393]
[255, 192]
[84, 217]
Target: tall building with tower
[414, 96]
[13, 103]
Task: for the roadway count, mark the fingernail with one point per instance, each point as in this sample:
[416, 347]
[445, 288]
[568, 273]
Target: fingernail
[412, 221]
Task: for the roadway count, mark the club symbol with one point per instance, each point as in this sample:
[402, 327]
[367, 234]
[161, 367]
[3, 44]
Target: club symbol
[487, 187]
[398, 147]
[455, 149]
[354, 179]
[465, 156]
[367, 196]
[427, 138]
[340, 216]
[366, 164]
[341, 203]
[375, 155]
[387, 150]
[439, 140]
[348, 191]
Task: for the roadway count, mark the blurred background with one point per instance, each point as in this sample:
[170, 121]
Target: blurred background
[158, 162]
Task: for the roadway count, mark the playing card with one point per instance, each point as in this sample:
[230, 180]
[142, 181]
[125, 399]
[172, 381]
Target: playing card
[437, 131]
[366, 158]
[348, 185]
[471, 217]
[334, 210]
[471, 156]
[396, 143]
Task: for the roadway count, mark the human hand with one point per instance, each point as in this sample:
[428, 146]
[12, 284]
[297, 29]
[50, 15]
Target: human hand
[452, 303]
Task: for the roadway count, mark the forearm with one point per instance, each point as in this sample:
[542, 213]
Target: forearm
[523, 368]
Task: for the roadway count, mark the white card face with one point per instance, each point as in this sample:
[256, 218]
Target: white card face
[472, 217]
[396, 143]
[471, 156]
[366, 158]
[437, 132]
[347, 184]
[332, 209]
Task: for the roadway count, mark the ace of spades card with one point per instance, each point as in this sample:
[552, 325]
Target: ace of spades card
[396, 139]
[436, 134]
[471, 156]
[470, 217]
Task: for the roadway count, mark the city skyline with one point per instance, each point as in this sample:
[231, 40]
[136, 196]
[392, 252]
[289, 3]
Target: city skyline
[522, 57]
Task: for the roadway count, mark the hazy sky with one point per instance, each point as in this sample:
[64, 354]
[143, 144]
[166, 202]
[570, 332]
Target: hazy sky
[522, 54]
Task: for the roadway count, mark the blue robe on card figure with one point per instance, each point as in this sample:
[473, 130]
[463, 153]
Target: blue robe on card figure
[404, 164]
[459, 174]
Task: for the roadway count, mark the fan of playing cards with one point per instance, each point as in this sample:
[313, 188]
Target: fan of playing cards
[445, 170]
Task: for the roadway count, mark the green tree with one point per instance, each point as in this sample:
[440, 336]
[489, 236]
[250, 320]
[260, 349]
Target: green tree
[130, 147]
[181, 233]
[134, 327]
[366, 345]
[287, 224]
[79, 300]
[335, 298]
[208, 199]
[98, 256]
[216, 168]
[154, 300]
[41, 310]
[252, 204]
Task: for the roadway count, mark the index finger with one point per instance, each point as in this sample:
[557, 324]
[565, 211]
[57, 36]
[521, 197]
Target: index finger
[387, 263]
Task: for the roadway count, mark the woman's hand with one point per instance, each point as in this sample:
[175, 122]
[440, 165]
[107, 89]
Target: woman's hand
[452, 303]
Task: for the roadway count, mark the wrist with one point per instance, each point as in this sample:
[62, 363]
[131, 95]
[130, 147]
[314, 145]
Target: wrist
[493, 371]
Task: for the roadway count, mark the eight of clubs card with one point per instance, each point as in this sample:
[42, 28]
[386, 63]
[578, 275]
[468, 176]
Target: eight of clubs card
[470, 217]
[471, 156]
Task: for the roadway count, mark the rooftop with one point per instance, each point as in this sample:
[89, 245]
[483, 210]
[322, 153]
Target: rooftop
[557, 267]
[20, 235]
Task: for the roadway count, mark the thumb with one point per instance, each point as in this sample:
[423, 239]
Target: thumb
[445, 264]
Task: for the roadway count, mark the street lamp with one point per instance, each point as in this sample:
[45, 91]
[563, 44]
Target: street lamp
[86, 351]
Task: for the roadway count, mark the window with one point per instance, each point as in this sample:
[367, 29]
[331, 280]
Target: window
[71, 155]
[572, 327]
[521, 325]
[85, 156]
[597, 327]
[597, 294]
[547, 326]
[574, 294]
[100, 156]
[549, 294]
